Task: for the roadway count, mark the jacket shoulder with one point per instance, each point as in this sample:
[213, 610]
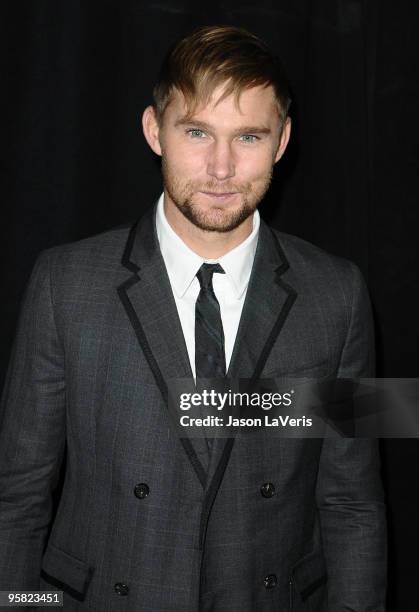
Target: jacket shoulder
[85, 266]
[309, 259]
[103, 249]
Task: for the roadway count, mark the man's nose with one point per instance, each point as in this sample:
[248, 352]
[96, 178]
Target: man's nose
[221, 163]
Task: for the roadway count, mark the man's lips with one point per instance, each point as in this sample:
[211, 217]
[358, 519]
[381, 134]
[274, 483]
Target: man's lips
[220, 195]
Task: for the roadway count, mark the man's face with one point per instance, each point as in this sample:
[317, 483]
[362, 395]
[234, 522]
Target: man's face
[217, 165]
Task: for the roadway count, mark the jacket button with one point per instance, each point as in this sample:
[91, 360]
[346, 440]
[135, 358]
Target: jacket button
[270, 581]
[141, 490]
[121, 588]
[267, 489]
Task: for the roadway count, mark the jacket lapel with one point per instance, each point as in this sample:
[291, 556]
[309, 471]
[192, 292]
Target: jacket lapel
[267, 304]
[148, 300]
[268, 301]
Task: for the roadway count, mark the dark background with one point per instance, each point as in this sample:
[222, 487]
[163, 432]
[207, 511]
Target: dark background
[75, 79]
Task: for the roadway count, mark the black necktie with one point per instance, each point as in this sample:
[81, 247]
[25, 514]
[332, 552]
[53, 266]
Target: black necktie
[209, 335]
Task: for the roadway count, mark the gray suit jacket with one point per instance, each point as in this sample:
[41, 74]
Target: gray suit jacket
[147, 521]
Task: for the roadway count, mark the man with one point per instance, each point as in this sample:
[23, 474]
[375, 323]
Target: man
[199, 287]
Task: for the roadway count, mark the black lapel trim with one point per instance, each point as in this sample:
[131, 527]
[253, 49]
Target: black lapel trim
[142, 339]
[209, 501]
[139, 332]
[126, 262]
[292, 295]
[284, 265]
[222, 465]
[228, 447]
[308, 590]
[213, 488]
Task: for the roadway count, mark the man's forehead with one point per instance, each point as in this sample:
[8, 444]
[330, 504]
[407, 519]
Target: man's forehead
[253, 100]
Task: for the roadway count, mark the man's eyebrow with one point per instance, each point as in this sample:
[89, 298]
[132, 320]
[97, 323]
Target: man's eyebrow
[245, 129]
[253, 129]
[192, 121]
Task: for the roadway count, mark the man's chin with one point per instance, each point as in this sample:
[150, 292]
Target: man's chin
[216, 219]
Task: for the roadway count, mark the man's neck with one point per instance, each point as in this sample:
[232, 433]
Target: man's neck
[206, 244]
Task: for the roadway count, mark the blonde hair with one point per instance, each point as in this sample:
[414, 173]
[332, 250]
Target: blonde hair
[216, 55]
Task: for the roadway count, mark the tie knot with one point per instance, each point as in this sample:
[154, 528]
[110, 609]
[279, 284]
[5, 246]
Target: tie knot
[205, 272]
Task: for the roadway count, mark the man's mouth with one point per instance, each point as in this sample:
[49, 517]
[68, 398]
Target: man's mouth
[220, 195]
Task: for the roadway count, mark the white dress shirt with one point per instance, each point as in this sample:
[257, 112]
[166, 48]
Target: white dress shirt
[230, 288]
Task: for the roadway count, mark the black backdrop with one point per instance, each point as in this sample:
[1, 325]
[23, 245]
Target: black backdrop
[76, 77]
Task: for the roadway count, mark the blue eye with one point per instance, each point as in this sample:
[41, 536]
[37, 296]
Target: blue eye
[249, 138]
[195, 133]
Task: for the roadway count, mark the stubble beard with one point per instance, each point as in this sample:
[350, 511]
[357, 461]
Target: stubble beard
[216, 218]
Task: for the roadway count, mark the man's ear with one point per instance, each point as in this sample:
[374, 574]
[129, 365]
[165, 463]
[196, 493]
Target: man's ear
[151, 129]
[283, 141]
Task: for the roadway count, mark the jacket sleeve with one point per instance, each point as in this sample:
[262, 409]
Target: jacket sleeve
[349, 491]
[32, 435]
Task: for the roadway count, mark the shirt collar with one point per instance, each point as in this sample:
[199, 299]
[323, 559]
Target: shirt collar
[182, 263]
